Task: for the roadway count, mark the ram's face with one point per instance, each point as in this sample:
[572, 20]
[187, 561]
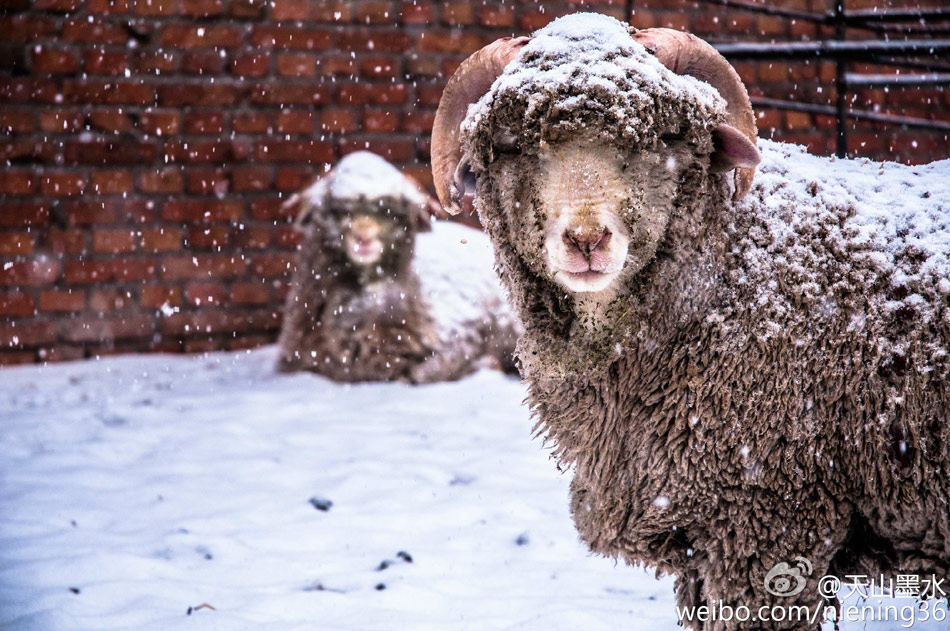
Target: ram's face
[362, 240]
[602, 213]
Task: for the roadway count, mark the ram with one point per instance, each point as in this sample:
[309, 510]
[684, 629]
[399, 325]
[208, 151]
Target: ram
[369, 301]
[740, 371]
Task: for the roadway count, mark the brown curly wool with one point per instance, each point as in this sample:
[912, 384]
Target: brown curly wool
[774, 383]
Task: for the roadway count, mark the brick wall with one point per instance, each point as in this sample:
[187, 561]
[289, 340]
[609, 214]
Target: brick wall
[147, 145]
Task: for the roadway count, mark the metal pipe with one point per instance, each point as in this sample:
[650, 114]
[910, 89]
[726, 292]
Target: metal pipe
[850, 50]
[867, 115]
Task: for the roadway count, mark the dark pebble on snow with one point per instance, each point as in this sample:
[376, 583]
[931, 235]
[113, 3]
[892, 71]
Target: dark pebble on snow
[320, 503]
[405, 556]
[522, 539]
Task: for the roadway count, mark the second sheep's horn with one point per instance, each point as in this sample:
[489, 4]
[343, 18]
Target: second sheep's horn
[470, 82]
[686, 54]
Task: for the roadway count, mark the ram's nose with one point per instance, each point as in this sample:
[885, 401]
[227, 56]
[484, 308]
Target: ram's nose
[586, 241]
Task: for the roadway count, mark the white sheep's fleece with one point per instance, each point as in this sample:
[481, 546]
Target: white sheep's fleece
[455, 265]
[893, 220]
[592, 51]
[365, 174]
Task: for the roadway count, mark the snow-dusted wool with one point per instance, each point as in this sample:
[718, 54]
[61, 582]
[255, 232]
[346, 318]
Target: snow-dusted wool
[773, 384]
[429, 310]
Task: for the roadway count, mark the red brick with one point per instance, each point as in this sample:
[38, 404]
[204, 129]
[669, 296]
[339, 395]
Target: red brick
[180, 94]
[110, 120]
[204, 36]
[290, 10]
[251, 122]
[21, 214]
[207, 237]
[103, 62]
[206, 294]
[288, 237]
[17, 183]
[90, 329]
[108, 92]
[157, 296]
[271, 209]
[379, 67]
[500, 16]
[93, 31]
[28, 151]
[161, 239]
[154, 8]
[27, 28]
[271, 265]
[290, 94]
[294, 151]
[53, 61]
[16, 121]
[204, 122]
[202, 8]
[102, 300]
[160, 123]
[57, 6]
[86, 213]
[332, 65]
[109, 152]
[458, 42]
[372, 12]
[338, 119]
[380, 121]
[16, 304]
[164, 181]
[247, 9]
[250, 179]
[16, 243]
[62, 184]
[111, 182]
[29, 273]
[241, 294]
[202, 266]
[290, 37]
[202, 62]
[419, 122]
[56, 121]
[295, 122]
[380, 41]
[203, 152]
[392, 150]
[250, 65]
[377, 93]
[65, 241]
[460, 14]
[108, 7]
[204, 211]
[297, 65]
[253, 237]
[208, 182]
[114, 241]
[335, 11]
[415, 13]
[62, 300]
[798, 120]
[157, 63]
[25, 334]
[292, 178]
[29, 90]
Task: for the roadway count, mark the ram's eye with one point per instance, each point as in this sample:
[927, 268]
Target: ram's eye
[672, 138]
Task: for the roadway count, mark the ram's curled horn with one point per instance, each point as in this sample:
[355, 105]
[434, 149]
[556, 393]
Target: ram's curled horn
[684, 53]
[470, 82]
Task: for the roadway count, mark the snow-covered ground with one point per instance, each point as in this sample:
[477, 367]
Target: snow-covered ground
[135, 489]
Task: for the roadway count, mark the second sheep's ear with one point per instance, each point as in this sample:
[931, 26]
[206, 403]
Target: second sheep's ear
[732, 149]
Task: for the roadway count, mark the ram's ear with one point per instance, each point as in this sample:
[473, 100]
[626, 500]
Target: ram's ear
[732, 149]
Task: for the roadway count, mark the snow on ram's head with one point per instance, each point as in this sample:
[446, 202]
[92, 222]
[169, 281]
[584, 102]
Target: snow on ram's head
[365, 175]
[585, 73]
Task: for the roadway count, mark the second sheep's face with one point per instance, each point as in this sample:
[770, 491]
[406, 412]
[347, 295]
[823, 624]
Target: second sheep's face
[367, 240]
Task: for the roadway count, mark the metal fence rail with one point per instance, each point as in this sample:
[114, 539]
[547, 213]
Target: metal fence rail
[929, 55]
